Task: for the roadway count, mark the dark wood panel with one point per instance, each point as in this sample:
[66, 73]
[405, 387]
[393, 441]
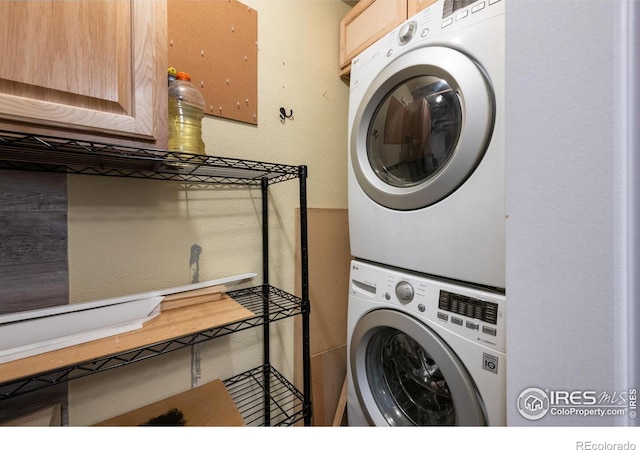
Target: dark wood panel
[29, 191]
[33, 260]
[33, 286]
[32, 237]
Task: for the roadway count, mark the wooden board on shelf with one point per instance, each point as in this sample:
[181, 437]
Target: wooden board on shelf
[167, 325]
[207, 405]
[204, 295]
[28, 333]
[44, 330]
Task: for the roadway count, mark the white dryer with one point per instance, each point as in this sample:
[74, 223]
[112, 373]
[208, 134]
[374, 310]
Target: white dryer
[423, 352]
[426, 144]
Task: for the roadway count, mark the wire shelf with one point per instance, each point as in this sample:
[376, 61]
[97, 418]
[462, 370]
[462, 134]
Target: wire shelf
[269, 304]
[54, 154]
[253, 390]
[282, 404]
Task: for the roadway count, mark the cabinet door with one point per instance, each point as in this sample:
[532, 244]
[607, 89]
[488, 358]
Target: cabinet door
[85, 68]
[415, 6]
[367, 22]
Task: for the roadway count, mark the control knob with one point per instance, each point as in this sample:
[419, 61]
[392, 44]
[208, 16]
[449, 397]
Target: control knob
[407, 32]
[404, 291]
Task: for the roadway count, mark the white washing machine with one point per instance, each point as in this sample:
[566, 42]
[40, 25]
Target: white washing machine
[426, 144]
[423, 352]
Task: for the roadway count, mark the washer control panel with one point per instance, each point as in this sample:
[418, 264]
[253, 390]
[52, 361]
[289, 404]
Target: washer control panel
[468, 306]
[475, 313]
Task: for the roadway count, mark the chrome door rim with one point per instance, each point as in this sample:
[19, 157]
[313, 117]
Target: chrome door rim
[477, 100]
[467, 403]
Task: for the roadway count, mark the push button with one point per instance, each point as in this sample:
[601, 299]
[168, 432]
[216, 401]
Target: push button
[443, 316]
[456, 320]
[473, 325]
[489, 330]
[478, 7]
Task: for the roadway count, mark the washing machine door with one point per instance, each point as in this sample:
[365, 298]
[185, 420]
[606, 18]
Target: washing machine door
[421, 128]
[406, 375]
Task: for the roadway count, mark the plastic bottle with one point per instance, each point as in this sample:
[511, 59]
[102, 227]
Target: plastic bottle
[186, 110]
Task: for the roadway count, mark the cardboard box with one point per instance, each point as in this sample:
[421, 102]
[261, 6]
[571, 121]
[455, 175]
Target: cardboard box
[207, 405]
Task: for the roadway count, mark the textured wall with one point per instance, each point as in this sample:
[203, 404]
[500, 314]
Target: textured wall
[129, 236]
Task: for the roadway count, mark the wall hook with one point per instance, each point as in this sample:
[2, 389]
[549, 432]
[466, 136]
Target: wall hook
[283, 114]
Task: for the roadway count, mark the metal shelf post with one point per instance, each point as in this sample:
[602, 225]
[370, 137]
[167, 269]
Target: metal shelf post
[306, 304]
[264, 187]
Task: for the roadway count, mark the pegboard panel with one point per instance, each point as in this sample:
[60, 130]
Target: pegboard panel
[216, 42]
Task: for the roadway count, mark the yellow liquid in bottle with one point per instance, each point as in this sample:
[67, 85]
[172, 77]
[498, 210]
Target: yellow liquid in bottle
[185, 128]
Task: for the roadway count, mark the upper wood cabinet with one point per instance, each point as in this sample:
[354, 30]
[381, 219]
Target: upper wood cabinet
[95, 68]
[415, 6]
[368, 21]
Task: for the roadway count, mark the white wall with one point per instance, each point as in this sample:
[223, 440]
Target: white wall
[571, 154]
[128, 236]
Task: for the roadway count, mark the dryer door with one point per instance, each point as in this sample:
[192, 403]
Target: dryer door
[405, 375]
[422, 128]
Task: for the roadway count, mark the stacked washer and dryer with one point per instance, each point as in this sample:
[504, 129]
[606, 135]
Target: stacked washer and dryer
[426, 314]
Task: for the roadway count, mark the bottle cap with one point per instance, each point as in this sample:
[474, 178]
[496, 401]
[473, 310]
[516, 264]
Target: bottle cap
[183, 76]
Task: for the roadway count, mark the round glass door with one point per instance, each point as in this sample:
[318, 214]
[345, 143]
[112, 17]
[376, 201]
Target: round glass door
[414, 131]
[421, 128]
[406, 375]
[406, 383]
